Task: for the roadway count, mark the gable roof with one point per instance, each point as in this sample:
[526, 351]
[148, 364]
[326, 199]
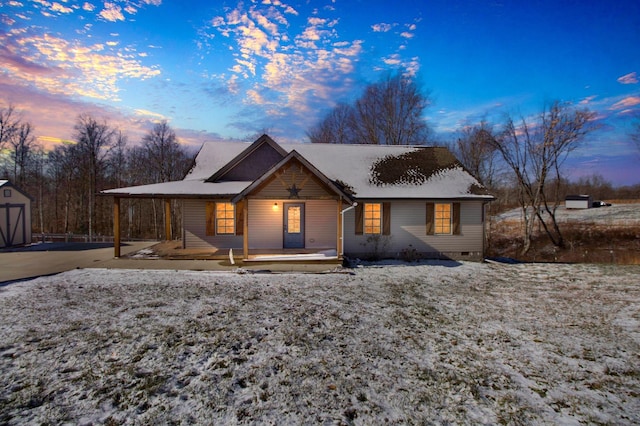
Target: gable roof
[360, 171]
[293, 155]
[8, 184]
[269, 156]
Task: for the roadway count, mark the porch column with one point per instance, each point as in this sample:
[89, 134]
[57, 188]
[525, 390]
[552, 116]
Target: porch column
[116, 226]
[167, 219]
[245, 230]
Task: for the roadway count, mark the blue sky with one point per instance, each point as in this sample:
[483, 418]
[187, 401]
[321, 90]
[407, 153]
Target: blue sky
[228, 70]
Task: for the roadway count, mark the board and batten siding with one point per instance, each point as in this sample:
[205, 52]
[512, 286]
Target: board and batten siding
[408, 230]
[309, 187]
[195, 229]
[266, 225]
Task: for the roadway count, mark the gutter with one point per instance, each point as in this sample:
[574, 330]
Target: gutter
[342, 230]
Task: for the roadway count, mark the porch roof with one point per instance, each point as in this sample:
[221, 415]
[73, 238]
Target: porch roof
[181, 189]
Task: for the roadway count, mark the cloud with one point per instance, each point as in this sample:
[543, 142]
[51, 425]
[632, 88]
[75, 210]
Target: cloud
[56, 65]
[284, 71]
[627, 102]
[111, 12]
[587, 100]
[153, 115]
[406, 34]
[381, 27]
[88, 7]
[57, 7]
[630, 78]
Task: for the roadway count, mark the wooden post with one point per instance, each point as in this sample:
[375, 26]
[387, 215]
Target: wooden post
[167, 219]
[245, 231]
[116, 226]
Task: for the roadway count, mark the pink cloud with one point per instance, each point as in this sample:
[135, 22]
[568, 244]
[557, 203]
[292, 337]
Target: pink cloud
[627, 102]
[630, 78]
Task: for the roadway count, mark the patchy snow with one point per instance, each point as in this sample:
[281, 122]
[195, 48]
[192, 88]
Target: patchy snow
[617, 214]
[435, 343]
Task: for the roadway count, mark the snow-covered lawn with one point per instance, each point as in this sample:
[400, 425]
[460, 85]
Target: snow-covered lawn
[435, 343]
[615, 215]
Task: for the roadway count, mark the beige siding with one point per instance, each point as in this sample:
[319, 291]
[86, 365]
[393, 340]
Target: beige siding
[321, 224]
[195, 236]
[266, 225]
[408, 230]
[20, 224]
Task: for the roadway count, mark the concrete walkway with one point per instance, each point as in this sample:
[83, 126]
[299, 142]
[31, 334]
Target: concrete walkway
[48, 260]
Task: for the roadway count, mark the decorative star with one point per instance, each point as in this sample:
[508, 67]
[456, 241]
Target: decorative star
[294, 191]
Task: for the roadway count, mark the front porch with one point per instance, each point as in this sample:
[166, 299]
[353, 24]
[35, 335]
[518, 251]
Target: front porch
[173, 250]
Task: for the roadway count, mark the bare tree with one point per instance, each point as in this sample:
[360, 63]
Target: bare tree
[535, 151]
[335, 127]
[94, 139]
[22, 143]
[390, 112]
[8, 124]
[635, 132]
[167, 159]
[476, 150]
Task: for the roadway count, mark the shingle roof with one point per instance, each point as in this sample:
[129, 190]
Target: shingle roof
[368, 171]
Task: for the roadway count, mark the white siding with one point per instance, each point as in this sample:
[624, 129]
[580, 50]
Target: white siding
[408, 230]
[195, 235]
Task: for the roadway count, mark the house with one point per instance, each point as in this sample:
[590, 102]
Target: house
[578, 201]
[266, 198]
[15, 216]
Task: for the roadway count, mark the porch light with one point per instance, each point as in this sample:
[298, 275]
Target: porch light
[275, 207]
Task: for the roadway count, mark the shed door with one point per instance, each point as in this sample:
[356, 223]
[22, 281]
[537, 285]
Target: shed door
[293, 225]
[12, 225]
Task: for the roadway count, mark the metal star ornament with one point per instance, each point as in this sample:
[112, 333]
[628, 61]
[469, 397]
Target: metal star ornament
[294, 191]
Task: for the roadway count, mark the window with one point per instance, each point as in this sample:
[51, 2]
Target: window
[372, 218]
[293, 219]
[442, 218]
[225, 219]
[7, 193]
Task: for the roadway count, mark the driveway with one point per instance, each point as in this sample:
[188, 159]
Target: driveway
[52, 258]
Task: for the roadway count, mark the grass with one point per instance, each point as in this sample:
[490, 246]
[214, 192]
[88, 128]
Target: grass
[586, 241]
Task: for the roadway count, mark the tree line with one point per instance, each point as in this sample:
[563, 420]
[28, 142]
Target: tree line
[519, 159]
[64, 182]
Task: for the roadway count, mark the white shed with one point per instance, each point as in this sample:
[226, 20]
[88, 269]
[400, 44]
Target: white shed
[15, 216]
[577, 201]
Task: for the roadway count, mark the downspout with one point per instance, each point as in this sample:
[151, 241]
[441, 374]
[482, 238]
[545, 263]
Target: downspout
[342, 230]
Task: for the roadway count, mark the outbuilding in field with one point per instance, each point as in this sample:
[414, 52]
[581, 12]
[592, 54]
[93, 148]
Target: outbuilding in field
[15, 216]
[578, 201]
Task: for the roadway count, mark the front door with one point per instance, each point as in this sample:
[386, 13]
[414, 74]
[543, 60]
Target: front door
[293, 225]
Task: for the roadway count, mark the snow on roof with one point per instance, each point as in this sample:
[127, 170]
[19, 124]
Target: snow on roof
[365, 170]
[181, 189]
[213, 156]
[3, 182]
[370, 171]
